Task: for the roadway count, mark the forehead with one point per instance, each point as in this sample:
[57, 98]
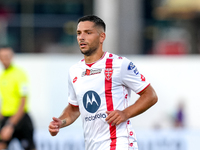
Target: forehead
[6, 51]
[85, 25]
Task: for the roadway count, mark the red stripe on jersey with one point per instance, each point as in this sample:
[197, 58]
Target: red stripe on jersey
[74, 105]
[109, 102]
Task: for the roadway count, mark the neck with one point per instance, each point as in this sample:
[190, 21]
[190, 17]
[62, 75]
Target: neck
[94, 57]
[6, 66]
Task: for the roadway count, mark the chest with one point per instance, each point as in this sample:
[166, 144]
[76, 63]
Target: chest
[8, 81]
[95, 79]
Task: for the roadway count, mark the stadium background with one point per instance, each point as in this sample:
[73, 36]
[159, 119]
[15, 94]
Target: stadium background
[160, 37]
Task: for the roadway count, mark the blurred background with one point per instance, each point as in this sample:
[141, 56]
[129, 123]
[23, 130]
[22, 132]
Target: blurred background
[161, 37]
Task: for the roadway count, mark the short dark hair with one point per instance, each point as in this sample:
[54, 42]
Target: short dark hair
[97, 21]
[6, 47]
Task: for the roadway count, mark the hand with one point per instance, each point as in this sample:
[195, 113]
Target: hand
[115, 117]
[7, 132]
[54, 126]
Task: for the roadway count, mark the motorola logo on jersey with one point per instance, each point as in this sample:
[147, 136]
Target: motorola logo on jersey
[91, 101]
[96, 116]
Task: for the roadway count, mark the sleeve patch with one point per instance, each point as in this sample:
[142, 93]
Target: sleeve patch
[131, 66]
[143, 78]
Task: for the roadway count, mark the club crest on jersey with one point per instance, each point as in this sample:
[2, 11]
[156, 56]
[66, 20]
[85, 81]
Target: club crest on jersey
[91, 101]
[131, 66]
[108, 73]
[89, 72]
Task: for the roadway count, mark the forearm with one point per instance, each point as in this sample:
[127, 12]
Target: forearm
[147, 99]
[20, 113]
[69, 115]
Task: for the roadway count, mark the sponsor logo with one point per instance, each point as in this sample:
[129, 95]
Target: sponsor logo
[142, 78]
[131, 66]
[75, 79]
[97, 116]
[91, 101]
[108, 73]
[89, 72]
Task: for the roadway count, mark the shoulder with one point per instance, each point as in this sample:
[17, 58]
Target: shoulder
[18, 70]
[77, 67]
[118, 60]
[19, 73]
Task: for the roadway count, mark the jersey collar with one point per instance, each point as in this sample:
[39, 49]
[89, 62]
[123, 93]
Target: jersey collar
[90, 64]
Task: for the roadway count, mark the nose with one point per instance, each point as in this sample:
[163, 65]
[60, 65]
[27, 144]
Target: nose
[81, 37]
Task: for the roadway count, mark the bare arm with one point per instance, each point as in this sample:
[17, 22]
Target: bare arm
[147, 99]
[69, 115]
[8, 129]
[20, 113]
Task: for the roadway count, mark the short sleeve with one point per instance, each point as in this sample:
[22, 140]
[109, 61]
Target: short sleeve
[23, 84]
[71, 92]
[131, 77]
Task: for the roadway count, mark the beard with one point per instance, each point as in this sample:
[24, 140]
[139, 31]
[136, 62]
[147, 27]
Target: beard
[89, 52]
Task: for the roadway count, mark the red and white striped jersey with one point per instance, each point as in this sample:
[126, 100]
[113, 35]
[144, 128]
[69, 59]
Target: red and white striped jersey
[105, 86]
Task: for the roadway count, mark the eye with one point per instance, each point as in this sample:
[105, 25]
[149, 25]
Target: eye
[78, 33]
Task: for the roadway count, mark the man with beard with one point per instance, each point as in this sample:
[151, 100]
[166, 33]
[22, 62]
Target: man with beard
[99, 90]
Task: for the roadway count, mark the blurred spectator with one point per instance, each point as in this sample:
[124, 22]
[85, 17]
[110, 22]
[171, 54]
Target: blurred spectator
[170, 47]
[15, 121]
[4, 16]
[4, 12]
[179, 116]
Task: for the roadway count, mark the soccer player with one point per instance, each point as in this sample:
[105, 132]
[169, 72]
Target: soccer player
[99, 90]
[15, 121]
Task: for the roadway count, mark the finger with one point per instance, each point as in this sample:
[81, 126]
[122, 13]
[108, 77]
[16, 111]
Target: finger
[111, 118]
[108, 112]
[117, 121]
[109, 115]
[53, 133]
[53, 126]
[53, 130]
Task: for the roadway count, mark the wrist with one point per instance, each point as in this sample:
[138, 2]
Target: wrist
[9, 123]
[63, 124]
[126, 114]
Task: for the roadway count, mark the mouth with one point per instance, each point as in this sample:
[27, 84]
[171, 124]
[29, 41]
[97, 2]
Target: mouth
[82, 44]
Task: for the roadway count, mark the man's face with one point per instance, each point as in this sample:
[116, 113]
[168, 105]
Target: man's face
[6, 55]
[88, 37]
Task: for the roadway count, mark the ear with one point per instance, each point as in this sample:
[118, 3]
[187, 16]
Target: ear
[102, 37]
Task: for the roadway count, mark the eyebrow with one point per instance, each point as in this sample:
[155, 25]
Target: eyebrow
[85, 30]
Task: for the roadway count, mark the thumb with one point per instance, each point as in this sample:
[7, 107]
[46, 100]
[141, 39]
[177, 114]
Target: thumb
[56, 119]
[108, 112]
